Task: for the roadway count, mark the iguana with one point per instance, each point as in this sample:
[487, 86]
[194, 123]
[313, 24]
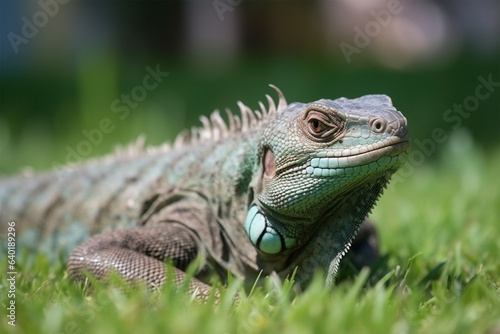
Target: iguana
[273, 190]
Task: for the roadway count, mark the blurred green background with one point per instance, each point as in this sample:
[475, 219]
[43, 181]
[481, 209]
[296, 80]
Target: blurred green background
[63, 65]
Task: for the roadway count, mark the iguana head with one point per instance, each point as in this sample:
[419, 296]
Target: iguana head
[320, 160]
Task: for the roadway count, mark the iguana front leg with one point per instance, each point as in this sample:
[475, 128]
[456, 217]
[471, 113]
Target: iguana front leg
[137, 254]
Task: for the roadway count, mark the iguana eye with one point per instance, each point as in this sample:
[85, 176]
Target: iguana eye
[317, 126]
[322, 124]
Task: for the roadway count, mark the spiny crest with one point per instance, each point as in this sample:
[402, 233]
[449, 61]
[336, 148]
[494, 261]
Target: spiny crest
[215, 128]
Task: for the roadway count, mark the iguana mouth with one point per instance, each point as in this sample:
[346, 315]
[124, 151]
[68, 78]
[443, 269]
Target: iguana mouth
[329, 164]
[395, 147]
[331, 160]
[392, 149]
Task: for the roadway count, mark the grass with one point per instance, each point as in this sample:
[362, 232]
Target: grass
[439, 232]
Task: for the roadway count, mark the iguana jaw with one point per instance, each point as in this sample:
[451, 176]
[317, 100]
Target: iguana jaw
[291, 233]
[333, 173]
[330, 163]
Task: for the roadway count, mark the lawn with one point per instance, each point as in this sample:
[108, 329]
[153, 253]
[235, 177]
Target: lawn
[439, 273]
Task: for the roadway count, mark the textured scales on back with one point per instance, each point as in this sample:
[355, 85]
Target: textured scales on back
[277, 189]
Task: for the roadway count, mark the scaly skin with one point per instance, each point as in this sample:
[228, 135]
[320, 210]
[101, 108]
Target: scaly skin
[278, 190]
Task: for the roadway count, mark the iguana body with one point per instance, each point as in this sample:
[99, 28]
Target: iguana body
[276, 190]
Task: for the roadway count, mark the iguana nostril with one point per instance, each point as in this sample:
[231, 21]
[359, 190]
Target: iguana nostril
[378, 125]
